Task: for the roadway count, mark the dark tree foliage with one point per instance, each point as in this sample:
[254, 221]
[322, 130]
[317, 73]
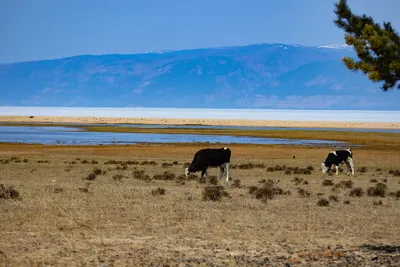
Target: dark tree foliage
[378, 48]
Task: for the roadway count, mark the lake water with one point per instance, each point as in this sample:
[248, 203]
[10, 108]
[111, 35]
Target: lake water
[193, 113]
[76, 136]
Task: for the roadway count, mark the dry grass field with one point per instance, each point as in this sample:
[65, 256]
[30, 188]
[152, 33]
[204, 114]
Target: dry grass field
[131, 206]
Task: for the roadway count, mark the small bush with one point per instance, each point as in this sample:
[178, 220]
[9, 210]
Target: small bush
[165, 176]
[151, 163]
[118, 177]
[288, 172]
[327, 182]
[140, 175]
[262, 181]
[323, 202]
[252, 189]
[202, 180]
[362, 170]
[268, 191]
[270, 169]
[111, 162]
[297, 180]
[259, 165]
[9, 193]
[378, 202]
[236, 183]
[346, 202]
[159, 191]
[213, 180]
[395, 194]
[94, 162]
[305, 182]
[166, 165]
[25, 160]
[91, 176]
[333, 198]
[310, 168]
[247, 166]
[175, 163]
[396, 173]
[356, 192]
[378, 191]
[303, 193]
[214, 193]
[97, 171]
[373, 181]
[85, 161]
[378, 170]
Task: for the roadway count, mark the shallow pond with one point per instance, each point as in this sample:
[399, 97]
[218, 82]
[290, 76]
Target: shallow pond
[76, 136]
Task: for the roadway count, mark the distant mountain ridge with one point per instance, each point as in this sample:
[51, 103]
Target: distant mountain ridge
[253, 76]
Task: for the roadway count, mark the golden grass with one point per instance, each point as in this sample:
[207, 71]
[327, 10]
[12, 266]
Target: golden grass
[66, 220]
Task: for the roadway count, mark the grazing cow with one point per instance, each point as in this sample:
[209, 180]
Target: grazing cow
[339, 157]
[211, 157]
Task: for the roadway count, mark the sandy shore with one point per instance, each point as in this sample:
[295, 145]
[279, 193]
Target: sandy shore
[221, 122]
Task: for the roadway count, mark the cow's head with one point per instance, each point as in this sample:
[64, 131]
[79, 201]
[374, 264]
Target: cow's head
[324, 168]
[187, 172]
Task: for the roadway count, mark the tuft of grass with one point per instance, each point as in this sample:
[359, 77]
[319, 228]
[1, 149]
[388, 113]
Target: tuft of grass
[378, 202]
[362, 170]
[346, 202]
[303, 193]
[247, 166]
[395, 194]
[333, 198]
[118, 177]
[356, 192]
[166, 165]
[297, 180]
[236, 183]
[323, 202]
[151, 163]
[165, 176]
[214, 193]
[396, 173]
[140, 175]
[378, 191]
[268, 191]
[327, 182]
[158, 192]
[373, 181]
[259, 165]
[288, 172]
[213, 180]
[9, 193]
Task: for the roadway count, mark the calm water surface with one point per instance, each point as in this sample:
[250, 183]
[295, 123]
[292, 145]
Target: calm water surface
[76, 136]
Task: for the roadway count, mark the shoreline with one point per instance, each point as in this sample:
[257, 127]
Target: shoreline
[211, 122]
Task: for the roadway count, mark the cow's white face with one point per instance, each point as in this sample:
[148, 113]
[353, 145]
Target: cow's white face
[324, 168]
[186, 172]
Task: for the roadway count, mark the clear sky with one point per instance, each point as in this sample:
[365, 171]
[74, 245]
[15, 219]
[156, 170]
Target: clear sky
[46, 29]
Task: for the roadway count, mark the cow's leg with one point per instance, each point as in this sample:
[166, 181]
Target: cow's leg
[337, 169]
[348, 167]
[204, 171]
[221, 171]
[227, 171]
[350, 162]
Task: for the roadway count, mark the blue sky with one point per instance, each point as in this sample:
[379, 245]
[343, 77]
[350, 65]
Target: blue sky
[46, 29]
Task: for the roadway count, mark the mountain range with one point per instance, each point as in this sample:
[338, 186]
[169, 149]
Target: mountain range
[253, 76]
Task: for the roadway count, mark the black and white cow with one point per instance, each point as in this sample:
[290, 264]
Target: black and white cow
[211, 157]
[339, 157]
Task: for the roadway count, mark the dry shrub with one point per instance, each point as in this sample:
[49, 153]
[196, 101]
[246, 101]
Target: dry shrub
[175, 163]
[192, 177]
[165, 176]
[378, 202]
[259, 165]
[310, 168]
[94, 162]
[158, 192]
[395, 194]
[151, 163]
[9, 193]
[262, 181]
[118, 177]
[214, 193]
[166, 165]
[111, 162]
[378, 170]
[323, 202]
[140, 175]
[297, 180]
[270, 169]
[97, 171]
[268, 191]
[378, 191]
[91, 176]
[5, 161]
[252, 189]
[202, 180]
[57, 190]
[302, 192]
[356, 192]
[396, 173]
[247, 166]
[362, 169]
[327, 182]
[288, 172]
[345, 184]
[85, 161]
[236, 183]
[25, 160]
[373, 181]
[213, 180]
[346, 202]
[305, 182]
[187, 164]
[333, 198]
